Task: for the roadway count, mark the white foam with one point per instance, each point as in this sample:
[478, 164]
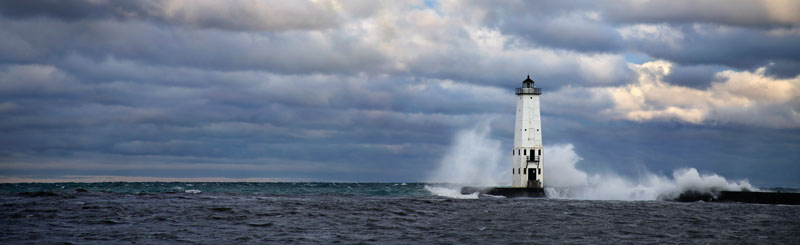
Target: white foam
[193, 191]
[450, 191]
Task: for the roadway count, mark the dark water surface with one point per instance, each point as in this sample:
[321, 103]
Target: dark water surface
[365, 213]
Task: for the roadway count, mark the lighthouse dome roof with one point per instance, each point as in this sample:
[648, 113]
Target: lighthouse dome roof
[528, 80]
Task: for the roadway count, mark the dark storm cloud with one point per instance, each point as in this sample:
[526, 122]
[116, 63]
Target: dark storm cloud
[784, 69]
[216, 115]
[731, 46]
[290, 53]
[554, 24]
[67, 10]
[231, 15]
[699, 77]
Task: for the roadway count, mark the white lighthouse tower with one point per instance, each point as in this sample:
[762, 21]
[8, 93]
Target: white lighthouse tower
[527, 154]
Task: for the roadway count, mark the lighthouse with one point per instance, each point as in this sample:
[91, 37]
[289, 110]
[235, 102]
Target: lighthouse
[527, 164]
[527, 179]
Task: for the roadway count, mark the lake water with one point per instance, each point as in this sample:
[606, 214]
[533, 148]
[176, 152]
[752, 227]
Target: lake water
[213, 213]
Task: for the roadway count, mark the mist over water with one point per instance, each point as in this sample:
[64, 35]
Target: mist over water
[475, 159]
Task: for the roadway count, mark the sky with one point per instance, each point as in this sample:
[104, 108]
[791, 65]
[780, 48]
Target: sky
[368, 91]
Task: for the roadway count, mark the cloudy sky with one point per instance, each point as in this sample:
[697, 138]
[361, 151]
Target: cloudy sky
[376, 90]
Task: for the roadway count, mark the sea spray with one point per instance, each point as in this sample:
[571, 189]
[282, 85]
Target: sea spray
[564, 180]
[474, 159]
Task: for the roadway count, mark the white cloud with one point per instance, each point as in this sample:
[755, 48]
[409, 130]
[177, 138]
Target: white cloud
[247, 14]
[741, 97]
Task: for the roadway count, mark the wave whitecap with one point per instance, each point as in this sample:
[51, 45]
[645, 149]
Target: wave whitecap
[449, 191]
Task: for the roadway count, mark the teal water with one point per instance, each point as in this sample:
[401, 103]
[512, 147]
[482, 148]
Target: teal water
[286, 188]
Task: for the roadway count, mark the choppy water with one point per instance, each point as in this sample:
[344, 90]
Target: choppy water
[364, 213]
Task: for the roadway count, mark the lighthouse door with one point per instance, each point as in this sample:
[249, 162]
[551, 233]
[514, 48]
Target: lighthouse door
[532, 177]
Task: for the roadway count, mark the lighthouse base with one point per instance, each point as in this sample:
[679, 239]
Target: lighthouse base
[510, 192]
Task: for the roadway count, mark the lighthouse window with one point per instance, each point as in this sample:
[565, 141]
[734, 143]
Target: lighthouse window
[540, 171]
[525, 152]
[540, 152]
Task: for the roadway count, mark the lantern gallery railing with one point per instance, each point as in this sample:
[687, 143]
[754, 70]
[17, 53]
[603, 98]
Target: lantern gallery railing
[536, 91]
[532, 158]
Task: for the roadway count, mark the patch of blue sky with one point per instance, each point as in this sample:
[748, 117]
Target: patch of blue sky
[432, 4]
[637, 58]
